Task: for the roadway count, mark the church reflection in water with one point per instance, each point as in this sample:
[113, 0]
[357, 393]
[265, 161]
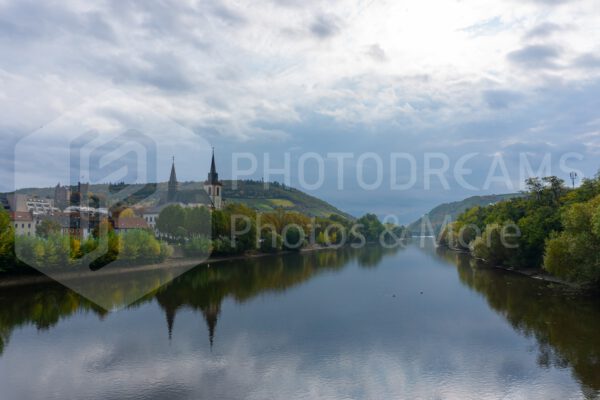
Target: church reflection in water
[565, 325]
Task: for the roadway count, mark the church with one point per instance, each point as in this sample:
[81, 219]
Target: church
[210, 196]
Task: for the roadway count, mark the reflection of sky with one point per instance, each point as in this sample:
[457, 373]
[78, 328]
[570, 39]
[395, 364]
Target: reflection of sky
[338, 335]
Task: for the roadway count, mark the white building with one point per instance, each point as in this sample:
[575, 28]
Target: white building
[23, 223]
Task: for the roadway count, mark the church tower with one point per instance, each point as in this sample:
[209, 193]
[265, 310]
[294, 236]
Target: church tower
[173, 185]
[212, 185]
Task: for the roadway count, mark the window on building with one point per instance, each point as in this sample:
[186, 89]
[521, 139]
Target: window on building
[218, 191]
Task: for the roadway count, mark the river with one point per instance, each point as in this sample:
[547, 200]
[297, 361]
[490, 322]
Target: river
[372, 323]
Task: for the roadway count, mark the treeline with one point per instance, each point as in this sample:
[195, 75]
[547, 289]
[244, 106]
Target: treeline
[197, 231]
[52, 249]
[238, 229]
[553, 226]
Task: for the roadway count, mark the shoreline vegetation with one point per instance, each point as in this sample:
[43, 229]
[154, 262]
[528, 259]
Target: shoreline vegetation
[551, 233]
[198, 233]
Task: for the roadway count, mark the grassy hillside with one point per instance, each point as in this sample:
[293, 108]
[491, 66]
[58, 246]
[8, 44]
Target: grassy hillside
[255, 194]
[454, 209]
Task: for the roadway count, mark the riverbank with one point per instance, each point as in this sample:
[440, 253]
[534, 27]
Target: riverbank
[534, 273]
[169, 264]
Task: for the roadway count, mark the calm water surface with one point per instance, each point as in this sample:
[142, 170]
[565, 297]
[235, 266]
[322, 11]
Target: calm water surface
[372, 323]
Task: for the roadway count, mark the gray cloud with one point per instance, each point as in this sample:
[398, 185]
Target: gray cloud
[543, 30]
[588, 61]
[535, 57]
[325, 26]
[228, 15]
[498, 99]
[376, 53]
[26, 20]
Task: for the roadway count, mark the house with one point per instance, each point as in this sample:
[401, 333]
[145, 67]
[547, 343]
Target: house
[127, 223]
[23, 223]
[79, 226]
[19, 202]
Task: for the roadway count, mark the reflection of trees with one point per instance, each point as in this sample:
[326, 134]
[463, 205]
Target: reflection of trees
[373, 256]
[206, 288]
[202, 289]
[565, 326]
[40, 306]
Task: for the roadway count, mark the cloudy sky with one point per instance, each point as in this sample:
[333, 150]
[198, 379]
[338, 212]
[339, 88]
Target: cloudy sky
[485, 77]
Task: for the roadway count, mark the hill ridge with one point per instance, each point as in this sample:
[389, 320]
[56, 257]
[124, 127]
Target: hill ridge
[253, 193]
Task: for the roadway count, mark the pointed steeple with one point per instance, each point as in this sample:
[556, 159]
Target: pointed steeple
[173, 177]
[211, 315]
[170, 320]
[213, 177]
[173, 185]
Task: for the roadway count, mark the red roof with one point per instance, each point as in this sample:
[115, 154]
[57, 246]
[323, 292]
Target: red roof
[21, 216]
[131, 223]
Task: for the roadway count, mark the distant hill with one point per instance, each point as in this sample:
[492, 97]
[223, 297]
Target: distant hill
[454, 209]
[252, 193]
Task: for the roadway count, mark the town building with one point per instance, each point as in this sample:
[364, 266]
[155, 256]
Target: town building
[213, 186]
[23, 223]
[62, 196]
[127, 223]
[211, 196]
[19, 202]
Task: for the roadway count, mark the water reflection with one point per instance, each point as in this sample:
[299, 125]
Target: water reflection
[566, 325]
[202, 289]
[378, 328]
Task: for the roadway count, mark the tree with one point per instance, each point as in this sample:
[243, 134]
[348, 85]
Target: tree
[294, 237]
[494, 245]
[127, 213]
[556, 186]
[7, 238]
[198, 246]
[270, 241]
[170, 219]
[535, 187]
[574, 254]
[47, 228]
[140, 245]
[197, 221]
[370, 227]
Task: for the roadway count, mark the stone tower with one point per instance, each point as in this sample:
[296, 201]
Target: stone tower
[212, 185]
[173, 185]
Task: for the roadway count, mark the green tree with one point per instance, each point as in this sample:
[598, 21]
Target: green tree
[170, 219]
[197, 221]
[7, 239]
[47, 228]
[574, 254]
[270, 241]
[198, 246]
[495, 245]
[370, 227]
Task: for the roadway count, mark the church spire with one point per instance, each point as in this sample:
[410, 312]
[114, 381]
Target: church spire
[172, 191]
[213, 176]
